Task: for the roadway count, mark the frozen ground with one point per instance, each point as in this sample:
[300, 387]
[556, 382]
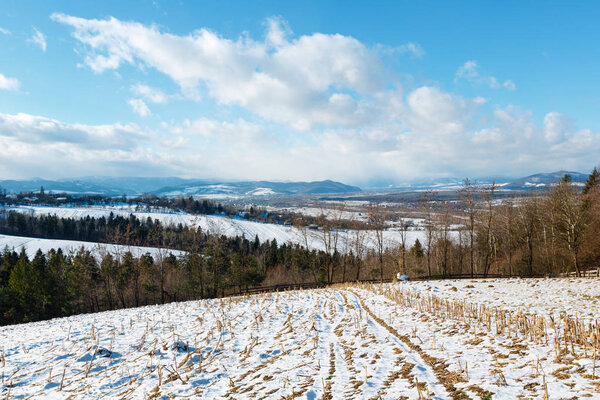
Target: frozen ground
[392, 341]
[236, 227]
[543, 296]
[32, 245]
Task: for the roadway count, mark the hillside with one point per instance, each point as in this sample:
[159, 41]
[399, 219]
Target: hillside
[544, 180]
[231, 227]
[450, 339]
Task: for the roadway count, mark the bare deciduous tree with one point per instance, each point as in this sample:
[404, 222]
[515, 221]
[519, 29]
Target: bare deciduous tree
[528, 223]
[377, 223]
[430, 226]
[508, 220]
[570, 219]
[467, 195]
[405, 224]
[488, 225]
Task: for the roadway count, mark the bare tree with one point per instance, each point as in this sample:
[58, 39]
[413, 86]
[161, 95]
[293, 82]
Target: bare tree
[405, 224]
[430, 226]
[548, 235]
[358, 247]
[330, 221]
[467, 194]
[377, 222]
[444, 222]
[528, 223]
[508, 221]
[461, 247]
[301, 226]
[489, 233]
[570, 219]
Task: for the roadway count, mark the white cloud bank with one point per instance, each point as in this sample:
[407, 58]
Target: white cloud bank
[321, 106]
[310, 81]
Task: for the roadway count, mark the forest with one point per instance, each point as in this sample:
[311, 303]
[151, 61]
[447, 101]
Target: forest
[535, 235]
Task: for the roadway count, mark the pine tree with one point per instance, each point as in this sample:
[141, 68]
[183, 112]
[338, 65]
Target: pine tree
[593, 181]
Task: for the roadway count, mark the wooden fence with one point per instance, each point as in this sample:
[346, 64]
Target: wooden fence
[313, 285]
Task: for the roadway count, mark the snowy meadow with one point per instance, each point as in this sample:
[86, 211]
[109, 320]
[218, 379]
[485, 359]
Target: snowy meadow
[469, 339]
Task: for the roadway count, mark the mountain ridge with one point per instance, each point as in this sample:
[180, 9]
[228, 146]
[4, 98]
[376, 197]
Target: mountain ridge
[177, 187]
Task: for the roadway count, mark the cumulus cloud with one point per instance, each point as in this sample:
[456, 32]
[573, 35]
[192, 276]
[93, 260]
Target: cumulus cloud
[243, 149]
[314, 107]
[436, 112]
[513, 142]
[35, 130]
[313, 80]
[470, 72]
[40, 146]
[152, 95]
[7, 83]
[139, 107]
[556, 127]
[39, 39]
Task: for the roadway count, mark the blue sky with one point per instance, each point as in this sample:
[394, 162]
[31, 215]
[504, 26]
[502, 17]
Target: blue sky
[353, 91]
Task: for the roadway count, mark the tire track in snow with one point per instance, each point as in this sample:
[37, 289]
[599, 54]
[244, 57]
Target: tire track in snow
[426, 368]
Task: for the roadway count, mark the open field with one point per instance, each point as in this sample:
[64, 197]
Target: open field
[444, 339]
[32, 245]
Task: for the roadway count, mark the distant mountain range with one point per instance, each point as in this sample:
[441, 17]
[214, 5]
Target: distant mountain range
[541, 181]
[532, 182]
[176, 187]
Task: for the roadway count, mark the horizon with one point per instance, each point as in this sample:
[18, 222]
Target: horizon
[297, 92]
[432, 182]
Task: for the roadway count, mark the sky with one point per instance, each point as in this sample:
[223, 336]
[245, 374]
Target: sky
[361, 92]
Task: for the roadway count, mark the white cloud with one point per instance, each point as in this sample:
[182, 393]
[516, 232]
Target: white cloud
[241, 149]
[556, 127]
[150, 94]
[39, 39]
[321, 106]
[41, 146]
[509, 85]
[41, 130]
[305, 82]
[436, 112]
[4, 31]
[469, 72]
[412, 48]
[139, 107]
[278, 31]
[7, 83]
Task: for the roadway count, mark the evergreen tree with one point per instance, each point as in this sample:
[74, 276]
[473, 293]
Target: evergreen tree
[592, 182]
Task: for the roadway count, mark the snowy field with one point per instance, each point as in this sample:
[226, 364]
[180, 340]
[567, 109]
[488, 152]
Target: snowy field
[435, 340]
[234, 227]
[32, 245]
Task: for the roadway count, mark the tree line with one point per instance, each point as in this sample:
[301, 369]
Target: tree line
[476, 233]
[535, 234]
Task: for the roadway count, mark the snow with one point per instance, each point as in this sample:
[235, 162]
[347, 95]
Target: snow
[232, 227]
[261, 192]
[369, 341]
[32, 245]
[542, 296]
